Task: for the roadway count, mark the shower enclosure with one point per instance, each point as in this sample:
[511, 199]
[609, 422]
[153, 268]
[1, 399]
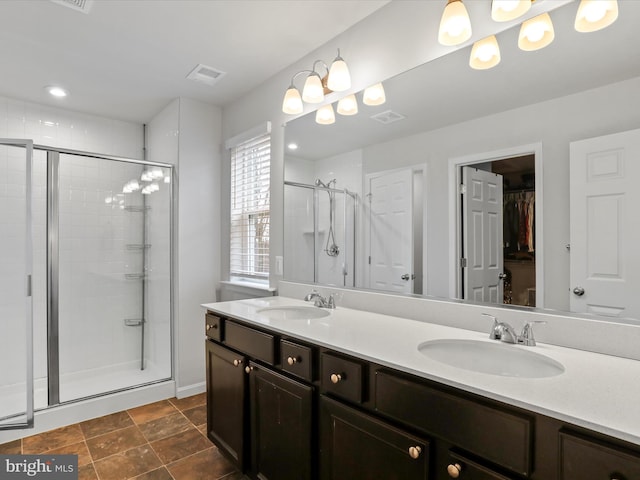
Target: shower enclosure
[320, 226]
[85, 277]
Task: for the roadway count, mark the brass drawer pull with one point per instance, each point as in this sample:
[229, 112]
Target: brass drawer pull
[454, 470]
[336, 378]
[292, 360]
[414, 452]
[237, 362]
[209, 327]
[248, 369]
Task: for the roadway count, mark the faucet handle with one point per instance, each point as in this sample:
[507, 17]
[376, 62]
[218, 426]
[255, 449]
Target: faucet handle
[527, 338]
[494, 333]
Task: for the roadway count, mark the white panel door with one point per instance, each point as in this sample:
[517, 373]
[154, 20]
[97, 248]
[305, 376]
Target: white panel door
[482, 235]
[391, 239]
[604, 226]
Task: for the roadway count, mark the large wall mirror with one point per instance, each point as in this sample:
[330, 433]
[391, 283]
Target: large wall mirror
[373, 201]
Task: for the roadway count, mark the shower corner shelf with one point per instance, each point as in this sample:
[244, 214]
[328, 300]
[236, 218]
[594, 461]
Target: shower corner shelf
[137, 208]
[135, 276]
[134, 322]
[138, 246]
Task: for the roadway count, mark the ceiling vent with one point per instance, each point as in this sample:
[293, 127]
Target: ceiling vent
[387, 117]
[78, 5]
[205, 74]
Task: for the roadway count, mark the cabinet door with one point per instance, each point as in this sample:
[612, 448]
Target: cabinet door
[354, 445]
[281, 426]
[226, 401]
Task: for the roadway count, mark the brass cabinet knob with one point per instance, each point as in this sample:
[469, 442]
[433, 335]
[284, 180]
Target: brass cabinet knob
[454, 470]
[248, 369]
[292, 360]
[414, 452]
[209, 327]
[237, 362]
[336, 378]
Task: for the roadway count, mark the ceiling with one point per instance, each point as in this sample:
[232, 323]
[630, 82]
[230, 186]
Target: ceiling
[127, 59]
[446, 91]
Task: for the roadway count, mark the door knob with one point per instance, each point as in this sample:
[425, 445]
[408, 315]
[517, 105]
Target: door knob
[579, 291]
[405, 276]
[502, 276]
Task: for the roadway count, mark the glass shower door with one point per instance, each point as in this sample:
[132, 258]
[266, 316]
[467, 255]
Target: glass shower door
[112, 264]
[16, 318]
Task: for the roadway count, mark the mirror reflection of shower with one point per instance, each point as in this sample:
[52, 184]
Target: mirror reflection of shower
[331, 248]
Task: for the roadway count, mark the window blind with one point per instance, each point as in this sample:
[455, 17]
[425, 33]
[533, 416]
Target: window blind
[250, 218]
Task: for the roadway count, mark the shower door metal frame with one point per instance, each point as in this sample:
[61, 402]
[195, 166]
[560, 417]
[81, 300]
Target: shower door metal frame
[53, 267]
[29, 376]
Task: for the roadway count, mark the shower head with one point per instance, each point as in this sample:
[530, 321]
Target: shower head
[320, 183]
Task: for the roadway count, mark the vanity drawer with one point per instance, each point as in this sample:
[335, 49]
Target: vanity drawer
[469, 425]
[297, 359]
[213, 327]
[465, 468]
[256, 344]
[588, 459]
[342, 377]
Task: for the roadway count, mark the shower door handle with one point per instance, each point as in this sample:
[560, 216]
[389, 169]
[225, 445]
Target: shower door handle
[406, 276]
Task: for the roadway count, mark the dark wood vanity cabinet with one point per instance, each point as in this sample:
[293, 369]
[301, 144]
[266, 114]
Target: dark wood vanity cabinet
[284, 409]
[354, 445]
[227, 401]
[260, 419]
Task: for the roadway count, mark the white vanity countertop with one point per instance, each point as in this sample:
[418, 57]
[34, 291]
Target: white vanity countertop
[599, 392]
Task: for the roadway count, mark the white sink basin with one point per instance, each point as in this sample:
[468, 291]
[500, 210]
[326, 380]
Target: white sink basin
[293, 313]
[491, 357]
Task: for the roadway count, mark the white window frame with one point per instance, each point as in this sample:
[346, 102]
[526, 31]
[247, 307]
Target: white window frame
[250, 205]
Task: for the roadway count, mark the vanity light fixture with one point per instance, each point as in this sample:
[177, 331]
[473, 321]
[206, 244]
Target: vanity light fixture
[337, 79]
[595, 15]
[374, 95]
[485, 54]
[506, 10]
[455, 25]
[536, 33]
[325, 115]
[348, 105]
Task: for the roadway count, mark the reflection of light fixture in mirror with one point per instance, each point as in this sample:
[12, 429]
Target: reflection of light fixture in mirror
[536, 33]
[348, 105]
[594, 15]
[485, 53]
[337, 79]
[325, 115]
[455, 26]
[374, 95]
[505, 10]
[313, 91]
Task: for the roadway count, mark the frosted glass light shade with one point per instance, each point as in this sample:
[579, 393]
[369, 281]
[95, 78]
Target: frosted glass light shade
[348, 105]
[325, 115]
[485, 53]
[374, 95]
[536, 33]
[313, 92]
[505, 10]
[455, 26]
[292, 103]
[339, 77]
[595, 15]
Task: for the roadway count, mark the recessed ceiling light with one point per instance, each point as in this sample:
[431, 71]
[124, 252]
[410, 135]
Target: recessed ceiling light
[56, 91]
[292, 146]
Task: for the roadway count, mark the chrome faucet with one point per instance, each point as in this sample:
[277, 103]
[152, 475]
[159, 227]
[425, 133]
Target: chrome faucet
[505, 333]
[320, 301]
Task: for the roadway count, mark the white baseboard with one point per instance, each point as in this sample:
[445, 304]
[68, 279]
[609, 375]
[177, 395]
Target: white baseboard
[194, 389]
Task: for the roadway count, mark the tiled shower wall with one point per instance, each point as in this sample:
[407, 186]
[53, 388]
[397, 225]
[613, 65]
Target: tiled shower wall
[93, 235]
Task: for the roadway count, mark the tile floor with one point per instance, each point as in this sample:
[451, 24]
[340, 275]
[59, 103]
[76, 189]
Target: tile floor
[165, 440]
